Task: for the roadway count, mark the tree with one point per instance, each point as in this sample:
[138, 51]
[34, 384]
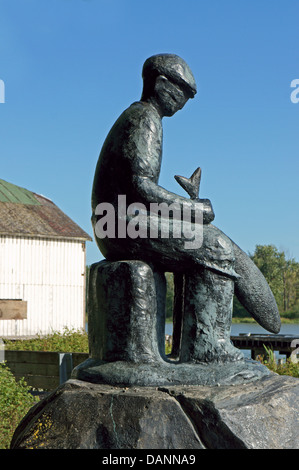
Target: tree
[169, 295]
[282, 275]
[291, 285]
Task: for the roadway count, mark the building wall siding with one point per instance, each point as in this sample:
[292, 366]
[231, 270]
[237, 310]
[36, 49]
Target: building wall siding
[50, 275]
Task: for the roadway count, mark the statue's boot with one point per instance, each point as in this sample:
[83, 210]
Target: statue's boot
[207, 315]
[126, 312]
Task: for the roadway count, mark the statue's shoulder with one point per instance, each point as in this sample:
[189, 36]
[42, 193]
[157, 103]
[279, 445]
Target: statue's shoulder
[139, 121]
[139, 113]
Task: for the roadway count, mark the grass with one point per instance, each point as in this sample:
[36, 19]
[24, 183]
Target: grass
[289, 320]
[243, 320]
[280, 367]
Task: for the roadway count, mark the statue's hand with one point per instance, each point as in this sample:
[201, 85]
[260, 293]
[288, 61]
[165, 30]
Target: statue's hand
[208, 212]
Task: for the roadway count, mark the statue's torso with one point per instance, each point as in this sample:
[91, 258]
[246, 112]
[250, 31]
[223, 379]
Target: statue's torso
[132, 148]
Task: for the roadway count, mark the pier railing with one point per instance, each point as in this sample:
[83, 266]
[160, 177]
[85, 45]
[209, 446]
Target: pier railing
[283, 344]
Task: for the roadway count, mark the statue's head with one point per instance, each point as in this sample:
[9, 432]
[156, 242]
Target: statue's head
[169, 81]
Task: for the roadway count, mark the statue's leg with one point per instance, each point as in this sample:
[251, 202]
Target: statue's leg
[208, 299]
[207, 318]
[126, 312]
[178, 309]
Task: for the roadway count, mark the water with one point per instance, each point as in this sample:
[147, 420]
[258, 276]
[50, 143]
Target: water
[291, 329]
[253, 328]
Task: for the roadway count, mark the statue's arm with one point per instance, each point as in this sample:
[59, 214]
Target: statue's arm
[150, 192]
[142, 153]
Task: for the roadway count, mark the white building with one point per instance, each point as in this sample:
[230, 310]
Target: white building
[42, 266]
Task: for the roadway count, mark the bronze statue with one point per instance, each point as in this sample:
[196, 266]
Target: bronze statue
[210, 270]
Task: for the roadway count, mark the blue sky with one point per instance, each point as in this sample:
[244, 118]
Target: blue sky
[70, 67]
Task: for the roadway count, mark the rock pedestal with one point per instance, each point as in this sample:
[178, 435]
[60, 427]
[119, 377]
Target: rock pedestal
[81, 415]
[129, 395]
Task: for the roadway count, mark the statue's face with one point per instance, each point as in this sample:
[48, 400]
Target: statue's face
[170, 96]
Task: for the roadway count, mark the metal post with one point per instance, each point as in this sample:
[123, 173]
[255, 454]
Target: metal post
[2, 351]
[65, 366]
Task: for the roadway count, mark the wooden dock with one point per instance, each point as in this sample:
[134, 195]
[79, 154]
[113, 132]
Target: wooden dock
[284, 344]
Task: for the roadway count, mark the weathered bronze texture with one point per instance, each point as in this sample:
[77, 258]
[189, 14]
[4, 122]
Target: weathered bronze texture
[130, 307]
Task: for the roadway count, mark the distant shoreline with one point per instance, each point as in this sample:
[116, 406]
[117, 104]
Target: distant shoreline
[252, 320]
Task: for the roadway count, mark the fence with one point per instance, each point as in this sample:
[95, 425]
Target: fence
[43, 370]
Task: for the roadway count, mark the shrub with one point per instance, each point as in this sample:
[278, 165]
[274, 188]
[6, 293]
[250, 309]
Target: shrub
[69, 340]
[15, 401]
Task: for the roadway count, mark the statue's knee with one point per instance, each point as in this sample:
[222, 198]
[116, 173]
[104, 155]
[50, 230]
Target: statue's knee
[218, 245]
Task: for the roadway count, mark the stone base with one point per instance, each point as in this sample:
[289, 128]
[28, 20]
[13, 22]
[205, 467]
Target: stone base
[79, 415]
[162, 373]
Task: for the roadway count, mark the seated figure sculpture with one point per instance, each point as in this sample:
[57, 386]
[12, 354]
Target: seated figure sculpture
[126, 179]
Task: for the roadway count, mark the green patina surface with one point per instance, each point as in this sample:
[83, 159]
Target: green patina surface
[12, 193]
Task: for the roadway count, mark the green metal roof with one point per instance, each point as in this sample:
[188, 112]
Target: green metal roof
[12, 193]
[24, 213]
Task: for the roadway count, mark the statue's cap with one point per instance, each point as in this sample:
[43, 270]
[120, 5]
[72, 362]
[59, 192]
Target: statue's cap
[172, 67]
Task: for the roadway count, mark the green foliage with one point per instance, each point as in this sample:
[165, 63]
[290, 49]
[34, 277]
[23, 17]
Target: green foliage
[282, 275]
[15, 401]
[169, 296]
[282, 368]
[238, 310]
[69, 340]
